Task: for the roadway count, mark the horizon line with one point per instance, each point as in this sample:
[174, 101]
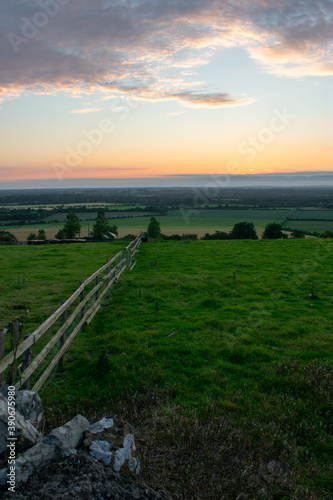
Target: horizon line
[216, 180]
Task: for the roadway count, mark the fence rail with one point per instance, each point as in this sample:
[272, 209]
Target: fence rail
[83, 312]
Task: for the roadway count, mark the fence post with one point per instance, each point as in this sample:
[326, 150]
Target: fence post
[107, 271]
[124, 256]
[107, 279]
[81, 299]
[2, 353]
[63, 337]
[14, 341]
[96, 283]
[27, 356]
[129, 257]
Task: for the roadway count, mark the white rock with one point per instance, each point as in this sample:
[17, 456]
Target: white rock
[101, 425]
[101, 451]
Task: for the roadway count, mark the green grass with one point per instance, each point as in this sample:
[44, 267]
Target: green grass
[178, 221]
[193, 221]
[311, 226]
[221, 358]
[203, 221]
[314, 214]
[38, 278]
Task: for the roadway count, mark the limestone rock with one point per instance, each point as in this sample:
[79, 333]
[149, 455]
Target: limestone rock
[69, 435]
[53, 446]
[29, 404]
[25, 433]
[111, 441]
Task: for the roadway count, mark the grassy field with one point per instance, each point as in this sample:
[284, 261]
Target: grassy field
[74, 206]
[38, 278]
[311, 226]
[179, 221]
[220, 354]
[314, 214]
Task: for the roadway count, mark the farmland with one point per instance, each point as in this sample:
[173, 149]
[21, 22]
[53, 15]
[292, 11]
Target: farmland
[181, 210]
[186, 220]
[177, 221]
[316, 226]
[218, 352]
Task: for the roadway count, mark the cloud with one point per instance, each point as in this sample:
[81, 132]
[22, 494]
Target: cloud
[86, 110]
[152, 47]
[210, 99]
[195, 99]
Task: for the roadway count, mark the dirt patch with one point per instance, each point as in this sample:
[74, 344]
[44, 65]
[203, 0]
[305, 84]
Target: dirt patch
[81, 476]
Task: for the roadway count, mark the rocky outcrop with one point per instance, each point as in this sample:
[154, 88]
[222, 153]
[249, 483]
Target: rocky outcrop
[29, 405]
[111, 441]
[25, 433]
[101, 457]
[80, 476]
[56, 444]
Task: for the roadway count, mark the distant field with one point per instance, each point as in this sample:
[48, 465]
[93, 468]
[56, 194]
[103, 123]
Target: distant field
[91, 216]
[69, 205]
[311, 226]
[202, 221]
[186, 221]
[313, 214]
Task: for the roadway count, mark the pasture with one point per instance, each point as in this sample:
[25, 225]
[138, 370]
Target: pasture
[313, 214]
[309, 225]
[37, 279]
[220, 354]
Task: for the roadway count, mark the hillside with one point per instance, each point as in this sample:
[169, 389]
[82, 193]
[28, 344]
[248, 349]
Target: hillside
[220, 354]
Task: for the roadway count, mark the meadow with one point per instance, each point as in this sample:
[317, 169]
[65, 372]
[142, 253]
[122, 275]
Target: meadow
[314, 214]
[310, 226]
[37, 279]
[219, 353]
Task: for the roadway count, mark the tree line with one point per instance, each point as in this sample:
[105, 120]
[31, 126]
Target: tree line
[72, 229]
[240, 231]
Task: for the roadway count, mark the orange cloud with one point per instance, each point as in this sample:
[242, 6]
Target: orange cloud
[86, 110]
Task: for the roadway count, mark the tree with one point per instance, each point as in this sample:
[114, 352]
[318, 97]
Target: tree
[41, 235]
[243, 231]
[273, 231]
[72, 226]
[60, 235]
[327, 234]
[102, 226]
[7, 237]
[32, 236]
[154, 229]
[218, 235]
[297, 233]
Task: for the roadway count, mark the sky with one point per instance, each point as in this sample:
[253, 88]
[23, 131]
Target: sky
[113, 90]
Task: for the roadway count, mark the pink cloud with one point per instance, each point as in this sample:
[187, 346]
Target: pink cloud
[86, 110]
[81, 46]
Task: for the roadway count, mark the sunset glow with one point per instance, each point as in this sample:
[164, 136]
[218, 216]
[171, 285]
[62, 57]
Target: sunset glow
[141, 89]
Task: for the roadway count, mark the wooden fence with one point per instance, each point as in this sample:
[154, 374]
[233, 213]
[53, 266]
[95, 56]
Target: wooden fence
[80, 315]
